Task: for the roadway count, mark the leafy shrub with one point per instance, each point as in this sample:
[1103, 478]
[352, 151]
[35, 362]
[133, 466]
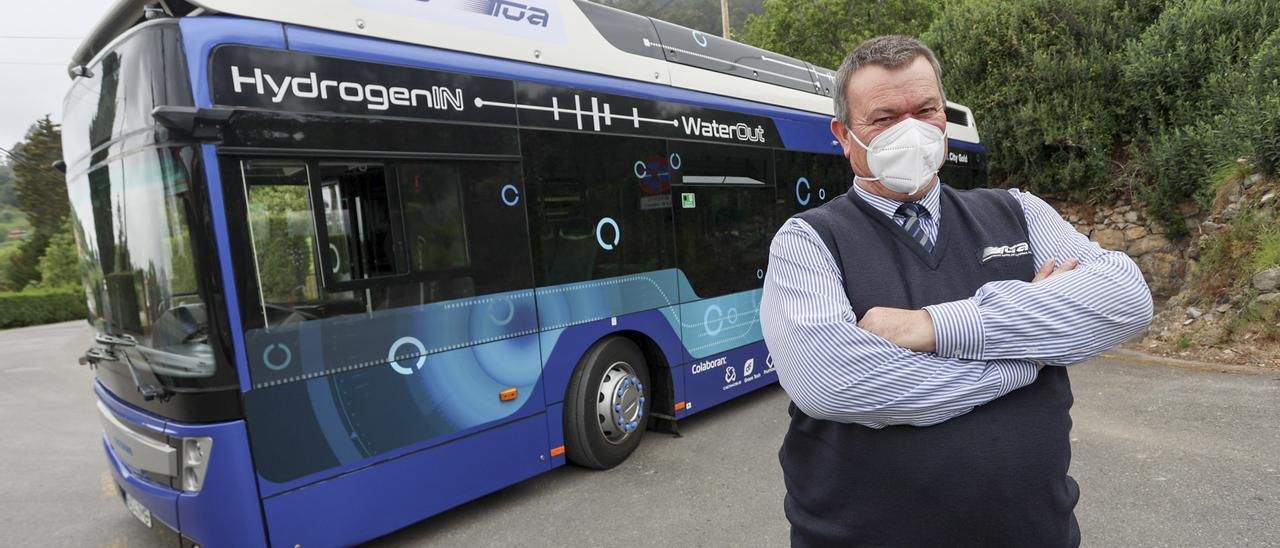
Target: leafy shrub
[1042, 77]
[41, 306]
[59, 266]
[1205, 82]
[823, 32]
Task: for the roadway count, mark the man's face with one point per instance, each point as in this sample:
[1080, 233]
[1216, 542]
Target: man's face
[878, 98]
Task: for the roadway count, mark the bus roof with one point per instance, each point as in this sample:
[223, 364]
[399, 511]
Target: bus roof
[572, 34]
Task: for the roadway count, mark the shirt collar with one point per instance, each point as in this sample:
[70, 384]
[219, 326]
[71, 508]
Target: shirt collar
[889, 206]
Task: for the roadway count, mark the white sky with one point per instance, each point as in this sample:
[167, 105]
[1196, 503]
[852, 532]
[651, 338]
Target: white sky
[29, 91]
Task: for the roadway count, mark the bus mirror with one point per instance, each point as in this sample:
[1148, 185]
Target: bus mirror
[60, 165]
[202, 124]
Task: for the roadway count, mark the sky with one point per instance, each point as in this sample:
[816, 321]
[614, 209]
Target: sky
[33, 72]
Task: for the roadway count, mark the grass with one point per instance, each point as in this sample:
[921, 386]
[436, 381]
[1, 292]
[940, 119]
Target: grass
[1217, 193]
[1227, 256]
[1267, 252]
[1184, 342]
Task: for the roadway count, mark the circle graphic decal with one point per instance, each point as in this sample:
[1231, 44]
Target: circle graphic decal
[700, 38]
[277, 366]
[510, 313]
[391, 355]
[510, 195]
[706, 320]
[617, 233]
[807, 195]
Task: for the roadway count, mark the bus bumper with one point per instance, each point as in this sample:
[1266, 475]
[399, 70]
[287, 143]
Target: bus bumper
[223, 511]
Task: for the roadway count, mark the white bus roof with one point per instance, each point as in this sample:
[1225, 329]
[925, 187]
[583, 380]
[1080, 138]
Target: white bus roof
[570, 34]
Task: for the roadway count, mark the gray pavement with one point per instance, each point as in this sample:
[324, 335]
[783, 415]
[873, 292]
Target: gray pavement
[1164, 456]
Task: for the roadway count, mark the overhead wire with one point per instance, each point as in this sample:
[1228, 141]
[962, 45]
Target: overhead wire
[44, 171]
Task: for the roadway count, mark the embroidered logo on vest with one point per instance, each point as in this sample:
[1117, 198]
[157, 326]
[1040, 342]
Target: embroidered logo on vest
[996, 252]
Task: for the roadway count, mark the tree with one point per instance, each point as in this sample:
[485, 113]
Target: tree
[8, 196]
[24, 265]
[42, 195]
[59, 266]
[823, 32]
[41, 189]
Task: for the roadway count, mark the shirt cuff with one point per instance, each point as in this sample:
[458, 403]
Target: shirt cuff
[957, 326]
[1015, 374]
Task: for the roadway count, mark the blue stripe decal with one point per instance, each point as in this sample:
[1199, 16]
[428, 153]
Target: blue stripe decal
[976, 147]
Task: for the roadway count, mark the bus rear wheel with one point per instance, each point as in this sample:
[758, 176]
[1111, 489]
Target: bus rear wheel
[606, 409]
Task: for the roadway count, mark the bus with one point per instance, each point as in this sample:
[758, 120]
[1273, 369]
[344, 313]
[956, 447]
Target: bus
[352, 263]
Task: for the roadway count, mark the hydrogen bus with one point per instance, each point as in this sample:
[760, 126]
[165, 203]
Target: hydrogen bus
[353, 263]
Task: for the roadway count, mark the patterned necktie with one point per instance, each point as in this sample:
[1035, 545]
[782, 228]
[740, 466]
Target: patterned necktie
[915, 224]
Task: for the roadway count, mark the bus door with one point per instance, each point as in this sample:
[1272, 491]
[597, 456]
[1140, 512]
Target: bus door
[724, 221]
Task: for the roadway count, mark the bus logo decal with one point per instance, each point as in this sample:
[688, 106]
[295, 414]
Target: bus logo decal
[509, 10]
[711, 128]
[373, 96]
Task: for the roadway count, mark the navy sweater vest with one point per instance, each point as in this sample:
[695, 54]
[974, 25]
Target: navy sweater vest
[996, 476]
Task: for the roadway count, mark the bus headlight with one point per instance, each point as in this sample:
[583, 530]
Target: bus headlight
[195, 460]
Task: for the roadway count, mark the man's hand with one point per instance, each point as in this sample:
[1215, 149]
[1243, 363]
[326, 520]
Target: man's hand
[1048, 270]
[910, 329]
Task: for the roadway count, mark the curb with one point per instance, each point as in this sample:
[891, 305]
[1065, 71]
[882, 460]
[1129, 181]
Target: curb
[1143, 357]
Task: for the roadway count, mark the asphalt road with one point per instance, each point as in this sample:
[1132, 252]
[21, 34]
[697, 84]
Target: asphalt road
[1165, 457]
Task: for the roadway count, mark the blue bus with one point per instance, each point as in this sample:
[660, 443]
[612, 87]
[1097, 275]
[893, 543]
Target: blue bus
[353, 263]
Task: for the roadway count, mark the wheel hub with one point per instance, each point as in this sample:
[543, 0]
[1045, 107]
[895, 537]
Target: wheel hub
[619, 403]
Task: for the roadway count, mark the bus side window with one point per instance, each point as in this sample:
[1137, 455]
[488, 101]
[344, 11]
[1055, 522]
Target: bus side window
[599, 205]
[807, 180]
[363, 232]
[725, 218]
[465, 232]
[279, 209]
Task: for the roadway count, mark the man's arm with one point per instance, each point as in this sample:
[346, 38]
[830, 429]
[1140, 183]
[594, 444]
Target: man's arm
[1063, 320]
[834, 370]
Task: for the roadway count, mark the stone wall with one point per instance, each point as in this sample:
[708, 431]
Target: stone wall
[1126, 227]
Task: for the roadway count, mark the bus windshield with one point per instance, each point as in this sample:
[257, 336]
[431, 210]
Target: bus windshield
[134, 204]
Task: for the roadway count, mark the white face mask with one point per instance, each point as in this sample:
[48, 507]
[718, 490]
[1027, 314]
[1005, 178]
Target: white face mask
[905, 157]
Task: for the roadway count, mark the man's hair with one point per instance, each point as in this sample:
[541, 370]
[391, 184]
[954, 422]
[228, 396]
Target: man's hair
[892, 51]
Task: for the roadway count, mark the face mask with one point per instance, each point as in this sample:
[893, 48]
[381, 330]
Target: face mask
[905, 157]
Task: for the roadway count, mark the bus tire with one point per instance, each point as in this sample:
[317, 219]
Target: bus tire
[606, 409]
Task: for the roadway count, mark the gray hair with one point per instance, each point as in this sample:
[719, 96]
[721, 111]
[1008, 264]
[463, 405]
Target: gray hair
[892, 51]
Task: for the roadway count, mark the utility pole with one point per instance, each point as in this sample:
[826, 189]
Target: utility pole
[724, 17]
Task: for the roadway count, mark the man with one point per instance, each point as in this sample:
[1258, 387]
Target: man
[921, 347]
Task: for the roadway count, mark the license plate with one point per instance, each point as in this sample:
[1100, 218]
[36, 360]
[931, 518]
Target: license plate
[138, 510]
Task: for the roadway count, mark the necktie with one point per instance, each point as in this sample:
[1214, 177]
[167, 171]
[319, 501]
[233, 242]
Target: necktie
[914, 225]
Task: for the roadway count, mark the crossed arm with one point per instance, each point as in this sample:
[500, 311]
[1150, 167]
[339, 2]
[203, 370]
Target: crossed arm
[923, 367]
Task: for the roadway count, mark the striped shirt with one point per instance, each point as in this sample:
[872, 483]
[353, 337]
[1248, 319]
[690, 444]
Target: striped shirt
[987, 345]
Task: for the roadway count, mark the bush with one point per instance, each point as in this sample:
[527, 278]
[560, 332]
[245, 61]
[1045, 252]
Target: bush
[1205, 82]
[41, 306]
[1042, 77]
[59, 267]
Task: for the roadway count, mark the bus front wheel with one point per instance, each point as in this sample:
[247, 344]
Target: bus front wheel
[606, 409]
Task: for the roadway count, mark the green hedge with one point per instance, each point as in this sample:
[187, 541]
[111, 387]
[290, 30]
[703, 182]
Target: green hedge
[41, 306]
[1097, 98]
